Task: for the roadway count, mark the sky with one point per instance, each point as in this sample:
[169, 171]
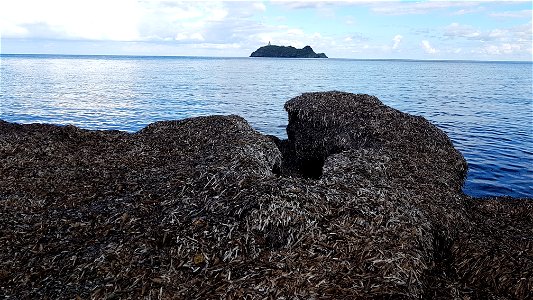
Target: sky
[469, 30]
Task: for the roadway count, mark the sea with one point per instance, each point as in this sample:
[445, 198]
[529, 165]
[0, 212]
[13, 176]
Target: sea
[486, 108]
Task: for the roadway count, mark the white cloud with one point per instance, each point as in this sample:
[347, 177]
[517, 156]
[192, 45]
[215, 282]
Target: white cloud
[260, 6]
[457, 50]
[282, 35]
[523, 33]
[397, 40]
[516, 34]
[162, 20]
[295, 31]
[350, 21]
[526, 13]
[417, 8]
[304, 4]
[465, 11]
[173, 26]
[428, 48]
[510, 48]
[458, 30]
[355, 37]
[121, 20]
[218, 46]
[164, 24]
[498, 33]
[94, 20]
[501, 49]
[192, 37]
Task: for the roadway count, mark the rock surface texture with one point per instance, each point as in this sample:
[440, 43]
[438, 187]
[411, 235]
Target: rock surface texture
[286, 52]
[360, 202]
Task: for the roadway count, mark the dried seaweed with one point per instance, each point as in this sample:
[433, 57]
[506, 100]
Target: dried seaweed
[361, 201]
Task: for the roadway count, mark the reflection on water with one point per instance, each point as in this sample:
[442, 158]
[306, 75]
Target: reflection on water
[486, 108]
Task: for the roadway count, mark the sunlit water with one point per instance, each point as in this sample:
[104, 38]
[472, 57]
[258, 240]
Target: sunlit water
[485, 107]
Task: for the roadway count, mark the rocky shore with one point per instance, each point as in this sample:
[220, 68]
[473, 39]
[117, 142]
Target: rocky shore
[361, 201]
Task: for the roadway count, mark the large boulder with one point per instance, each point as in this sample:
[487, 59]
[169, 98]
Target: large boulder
[321, 124]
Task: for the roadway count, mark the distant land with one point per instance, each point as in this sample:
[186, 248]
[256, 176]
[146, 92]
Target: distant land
[286, 52]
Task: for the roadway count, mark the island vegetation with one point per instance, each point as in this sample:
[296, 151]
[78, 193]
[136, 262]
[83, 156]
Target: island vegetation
[286, 52]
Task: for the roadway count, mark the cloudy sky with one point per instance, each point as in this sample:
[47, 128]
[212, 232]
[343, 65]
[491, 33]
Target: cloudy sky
[481, 30]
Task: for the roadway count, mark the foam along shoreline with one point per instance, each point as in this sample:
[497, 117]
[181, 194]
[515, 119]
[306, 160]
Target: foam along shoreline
[360, 201]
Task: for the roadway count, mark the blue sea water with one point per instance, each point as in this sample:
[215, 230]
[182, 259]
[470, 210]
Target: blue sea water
[485, 107]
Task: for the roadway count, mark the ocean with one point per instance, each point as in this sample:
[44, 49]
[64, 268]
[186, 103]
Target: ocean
[486, 108]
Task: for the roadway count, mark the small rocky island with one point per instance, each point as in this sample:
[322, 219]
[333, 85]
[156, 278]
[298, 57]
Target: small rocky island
[361, 201]
[286, 52]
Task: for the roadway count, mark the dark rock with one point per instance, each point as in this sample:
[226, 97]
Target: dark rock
[361, 201]
[286, 52]
[321, 124]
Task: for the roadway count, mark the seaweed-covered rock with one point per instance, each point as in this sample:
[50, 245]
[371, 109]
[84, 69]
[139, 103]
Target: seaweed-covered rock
[361, 201]
[321, 124]
[494, 252]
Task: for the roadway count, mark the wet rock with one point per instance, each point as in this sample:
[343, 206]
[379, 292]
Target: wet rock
[361, 201]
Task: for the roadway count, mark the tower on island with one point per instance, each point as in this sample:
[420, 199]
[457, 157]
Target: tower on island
[269, 43]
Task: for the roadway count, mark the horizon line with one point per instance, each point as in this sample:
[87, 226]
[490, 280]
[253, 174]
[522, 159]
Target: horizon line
[200, 56]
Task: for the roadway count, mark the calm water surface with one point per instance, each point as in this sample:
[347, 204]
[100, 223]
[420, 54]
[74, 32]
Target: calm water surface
[485, 107]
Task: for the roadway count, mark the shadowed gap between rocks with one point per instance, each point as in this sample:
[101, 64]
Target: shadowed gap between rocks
[292, 164]
[308, 161]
